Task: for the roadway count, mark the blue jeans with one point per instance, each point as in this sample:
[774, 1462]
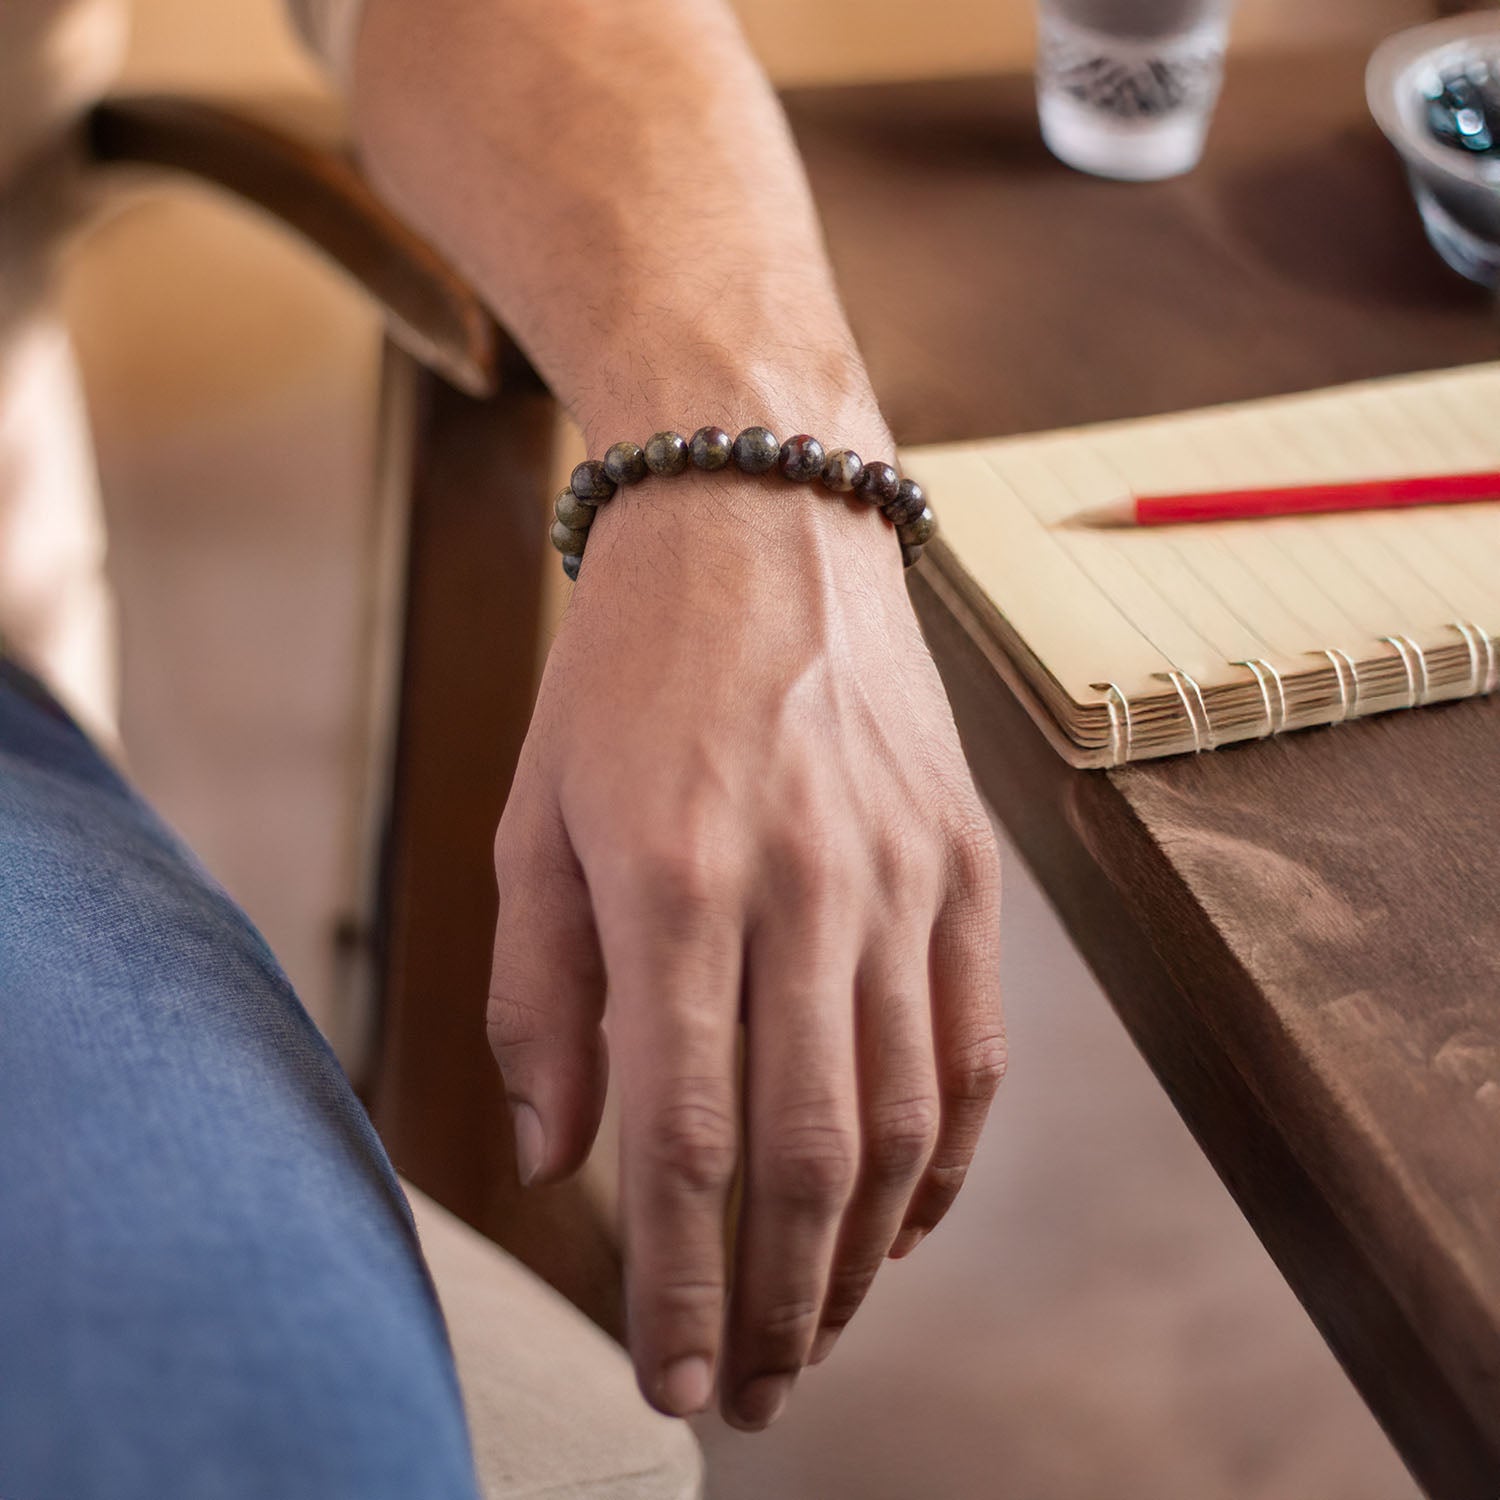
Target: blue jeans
[210, 1286]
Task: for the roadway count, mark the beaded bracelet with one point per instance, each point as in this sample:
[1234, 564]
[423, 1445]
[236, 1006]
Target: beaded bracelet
[754, 451]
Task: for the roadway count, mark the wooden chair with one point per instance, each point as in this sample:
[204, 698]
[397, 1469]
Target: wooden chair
[467, 434]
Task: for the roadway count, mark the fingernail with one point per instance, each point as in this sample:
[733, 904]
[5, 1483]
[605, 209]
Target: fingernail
[906, 1242]
[823, 1345]
[531, 1144]
[760, 1401]
[686, 1385]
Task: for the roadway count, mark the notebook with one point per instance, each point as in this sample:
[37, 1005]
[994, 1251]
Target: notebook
[1133, 643]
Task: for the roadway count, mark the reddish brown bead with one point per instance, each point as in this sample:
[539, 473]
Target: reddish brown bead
[909, 502]
[573, 512]
[915, 533]
[566, 539]
[711, 448]
[625, 463]
[801, 458]
[666, 453]
[877, 484]
[756, 450]
[590, 482]
[841, 471]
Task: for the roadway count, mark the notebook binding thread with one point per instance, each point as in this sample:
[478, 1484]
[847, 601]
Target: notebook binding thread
[1414, 662]
[1121, 730]
[1484, 667]
[1275, 709]
[1200, 721]
[1348, 691]
[1484, 680]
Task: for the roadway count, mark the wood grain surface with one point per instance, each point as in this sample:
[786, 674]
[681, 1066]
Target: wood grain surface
[1303, 936]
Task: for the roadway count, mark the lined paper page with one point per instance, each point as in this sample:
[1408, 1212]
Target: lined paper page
[1122, 606]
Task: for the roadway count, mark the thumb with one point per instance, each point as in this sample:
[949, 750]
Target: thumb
[546, 996]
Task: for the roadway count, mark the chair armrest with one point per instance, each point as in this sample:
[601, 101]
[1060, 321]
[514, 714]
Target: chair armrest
[314, 188]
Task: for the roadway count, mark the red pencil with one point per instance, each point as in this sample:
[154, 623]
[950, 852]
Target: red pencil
[1296, 500]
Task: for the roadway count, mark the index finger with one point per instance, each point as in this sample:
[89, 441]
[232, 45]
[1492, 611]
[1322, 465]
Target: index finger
[672, 950]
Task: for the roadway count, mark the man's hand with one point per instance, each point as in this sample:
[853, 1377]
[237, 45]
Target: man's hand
[743, 798]
[742, 794]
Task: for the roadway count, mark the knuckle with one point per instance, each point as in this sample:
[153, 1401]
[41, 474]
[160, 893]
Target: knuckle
[900, 1139]
[811, 870]
[846, 1292]
[512, 1022]
[946, 1177]
[941, 1185]
[689, 879]
[904, 867]
[974, 859]
[977, 1068]
[814, 1167]
[692, 1144]
[687, 1300]
[786, 1326]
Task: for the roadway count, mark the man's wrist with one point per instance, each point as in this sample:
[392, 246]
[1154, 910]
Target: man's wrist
[737, 525]
[829, 397]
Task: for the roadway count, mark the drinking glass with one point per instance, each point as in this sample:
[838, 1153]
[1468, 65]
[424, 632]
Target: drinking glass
[1126, 88]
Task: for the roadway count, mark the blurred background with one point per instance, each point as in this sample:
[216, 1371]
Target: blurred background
[1096, 1320]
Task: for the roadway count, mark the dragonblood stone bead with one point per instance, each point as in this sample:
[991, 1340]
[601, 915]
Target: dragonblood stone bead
[801, 458]
[576, 514]
[910, 552]
[567, 539]
[877, 484]
[915, 533]
[711, 448]
[625, 463]
[666, 453]
[909, 502]
[572, 562]
[842, 470]
[590, 482]
[756, 450]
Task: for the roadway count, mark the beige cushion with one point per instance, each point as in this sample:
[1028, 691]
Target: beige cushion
[552, 1401]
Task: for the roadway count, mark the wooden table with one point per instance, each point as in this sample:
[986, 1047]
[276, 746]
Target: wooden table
[1303, 935]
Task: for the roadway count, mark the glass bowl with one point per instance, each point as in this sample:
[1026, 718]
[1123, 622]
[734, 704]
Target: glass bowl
[1457, 192]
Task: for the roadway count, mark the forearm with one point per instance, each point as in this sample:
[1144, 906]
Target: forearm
[617, 178]
[742, 795]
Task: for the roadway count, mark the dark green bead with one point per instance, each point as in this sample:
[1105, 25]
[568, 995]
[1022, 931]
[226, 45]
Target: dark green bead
[801, 458]
[590, 482]
[756, 450]
[909, 502]
[711, 448]
[576, 514]
[841, 471]
[666, 453]
[877, 484]
[910, 552]
[572, 562]
[915, 533]
[567, 539]
[625, 463]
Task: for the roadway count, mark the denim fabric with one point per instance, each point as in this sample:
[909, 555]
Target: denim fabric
[210, 1285]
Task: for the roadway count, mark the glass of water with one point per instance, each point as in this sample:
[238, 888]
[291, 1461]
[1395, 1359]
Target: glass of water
[1126, 88]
